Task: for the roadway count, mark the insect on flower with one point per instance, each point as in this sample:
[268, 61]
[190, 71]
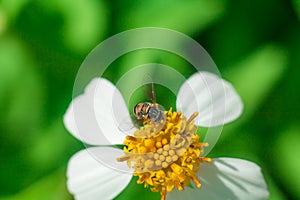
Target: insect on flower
[148, 111]
[144, 112]
[168, 161]
[166, 151]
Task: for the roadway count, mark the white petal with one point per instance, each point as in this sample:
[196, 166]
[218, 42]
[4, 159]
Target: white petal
[93, 116]
[90, 179]
[226, 178]
[214, 98]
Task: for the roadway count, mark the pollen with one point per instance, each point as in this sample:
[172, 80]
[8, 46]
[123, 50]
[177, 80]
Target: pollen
[166, 154]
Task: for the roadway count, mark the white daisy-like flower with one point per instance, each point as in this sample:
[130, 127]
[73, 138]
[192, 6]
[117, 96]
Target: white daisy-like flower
[94, 173]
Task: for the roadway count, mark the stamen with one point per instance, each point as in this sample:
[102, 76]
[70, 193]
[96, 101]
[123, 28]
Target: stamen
[123, 158]
[142, 179]
[196, 181]
[192, 117]
[163, 193]
[178, 185]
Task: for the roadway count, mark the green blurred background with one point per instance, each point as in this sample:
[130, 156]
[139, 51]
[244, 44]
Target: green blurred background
[255, 44]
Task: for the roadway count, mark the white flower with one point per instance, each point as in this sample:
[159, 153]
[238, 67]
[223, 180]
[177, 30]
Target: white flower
[92, 173]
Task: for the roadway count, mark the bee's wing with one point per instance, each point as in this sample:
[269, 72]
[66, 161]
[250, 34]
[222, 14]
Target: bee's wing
[129, 125]
[160, 107]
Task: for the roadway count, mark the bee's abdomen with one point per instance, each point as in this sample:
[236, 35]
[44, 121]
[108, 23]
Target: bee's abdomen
[155, 114]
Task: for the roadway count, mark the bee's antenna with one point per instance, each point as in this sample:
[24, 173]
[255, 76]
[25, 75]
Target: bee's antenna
[153, 93]
[147, 79]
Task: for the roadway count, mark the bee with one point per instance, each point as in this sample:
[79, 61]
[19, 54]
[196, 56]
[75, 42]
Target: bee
[148, 111]
[145, 112]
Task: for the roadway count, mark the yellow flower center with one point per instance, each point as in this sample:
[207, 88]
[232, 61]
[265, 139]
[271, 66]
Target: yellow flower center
[165, 154]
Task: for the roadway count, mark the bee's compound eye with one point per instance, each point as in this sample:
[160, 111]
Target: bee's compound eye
[135, 109]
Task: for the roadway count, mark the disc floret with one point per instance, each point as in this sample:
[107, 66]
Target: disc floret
[165, 154]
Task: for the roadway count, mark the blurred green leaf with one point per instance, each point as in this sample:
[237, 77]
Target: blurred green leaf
[286, 158]
[21, 110]
[3, 21]
[11, 68]
[275, 193]
[297, 7]
[43, 155]
[21, 94]
[51, 187]
[85, 22]
[12, 7]
[186, 16]
[255, 77]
